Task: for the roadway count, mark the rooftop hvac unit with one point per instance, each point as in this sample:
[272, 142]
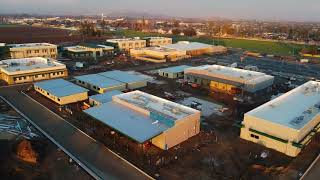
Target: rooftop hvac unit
[297, 120]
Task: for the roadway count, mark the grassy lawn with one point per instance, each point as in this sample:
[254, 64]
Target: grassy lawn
[275, 48]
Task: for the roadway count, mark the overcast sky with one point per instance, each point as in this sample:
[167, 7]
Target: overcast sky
[299, 10]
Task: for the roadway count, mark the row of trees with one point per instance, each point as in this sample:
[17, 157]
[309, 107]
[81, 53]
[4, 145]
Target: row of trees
[89, 29]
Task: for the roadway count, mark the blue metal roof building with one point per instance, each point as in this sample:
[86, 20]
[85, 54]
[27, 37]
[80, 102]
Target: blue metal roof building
[135, 125]
[99, 83]
[173, 72]
[61, 91]
[133, 81]
[103, 98]
[175, 69]
[144, 117]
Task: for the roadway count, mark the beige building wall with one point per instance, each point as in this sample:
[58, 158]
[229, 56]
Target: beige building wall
[31, 77]
[126, 45]
[273, 131]
[63, 100]
[182, 131]
[35, 51]
[100, 90]
[159, 41]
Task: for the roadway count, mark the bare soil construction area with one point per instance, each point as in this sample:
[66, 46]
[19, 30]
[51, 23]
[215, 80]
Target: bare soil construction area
[22, 157]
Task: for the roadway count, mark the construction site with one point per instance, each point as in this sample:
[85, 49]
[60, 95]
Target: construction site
[27, 154]
[216, 151]
[189, 119]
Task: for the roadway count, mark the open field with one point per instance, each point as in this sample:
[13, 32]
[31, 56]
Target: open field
[27, 34]
[267, 47]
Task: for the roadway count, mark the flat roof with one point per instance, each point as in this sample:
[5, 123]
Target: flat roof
[169, 109]
[29, 45]
[86, 47]
[60, 87]
[123, 76]
[188, 46]
[99, 80]
[293, 109]
[229, 73]
[156, 37]
[159, 49]
[175, 69]
[127, 121]
[124, 39]
[105, 97]
[27, 64]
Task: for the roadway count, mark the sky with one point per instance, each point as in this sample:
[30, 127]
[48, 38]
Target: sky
[293, 10]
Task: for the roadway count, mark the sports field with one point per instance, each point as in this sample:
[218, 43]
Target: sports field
[267, 47]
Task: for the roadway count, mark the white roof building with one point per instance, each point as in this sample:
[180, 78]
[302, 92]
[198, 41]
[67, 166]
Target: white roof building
[286, 123]
[250, 81]
[15, 71]
[30, 65]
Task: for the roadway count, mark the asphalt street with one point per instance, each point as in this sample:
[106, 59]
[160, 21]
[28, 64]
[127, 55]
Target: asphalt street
[95, 156]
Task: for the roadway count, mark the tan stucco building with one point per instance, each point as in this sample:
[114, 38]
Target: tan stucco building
[88, 51]
[157, 41]
[126, 44]
[158, 54]
[15, 71]
[286, 123]
[196, 48]
[29, 50]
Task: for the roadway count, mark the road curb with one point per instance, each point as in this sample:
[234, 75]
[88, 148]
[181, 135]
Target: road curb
[310, 167]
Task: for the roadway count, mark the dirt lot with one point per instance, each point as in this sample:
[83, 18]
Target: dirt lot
[52, 163]
[27, 34]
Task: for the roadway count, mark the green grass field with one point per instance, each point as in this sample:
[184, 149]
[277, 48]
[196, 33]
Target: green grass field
[274, 48]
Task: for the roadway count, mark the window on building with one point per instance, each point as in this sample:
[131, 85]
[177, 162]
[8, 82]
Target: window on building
[43, 75]
[36, 76]
[47, 93]
[36, 51]
[254, 136]
[58, 99]
[28, 52]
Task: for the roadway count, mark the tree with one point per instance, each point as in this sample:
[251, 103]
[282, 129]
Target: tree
[189, 32]
[176, 31]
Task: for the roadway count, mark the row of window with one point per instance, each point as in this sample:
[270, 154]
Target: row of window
[43, 51]
[94, 87]
[43, 91]
[254, 136]
[161, 42]
[37, 76]
[131, 44]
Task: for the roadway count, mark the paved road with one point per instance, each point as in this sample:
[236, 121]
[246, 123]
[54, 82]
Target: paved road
[314, 172]
[96, 157]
